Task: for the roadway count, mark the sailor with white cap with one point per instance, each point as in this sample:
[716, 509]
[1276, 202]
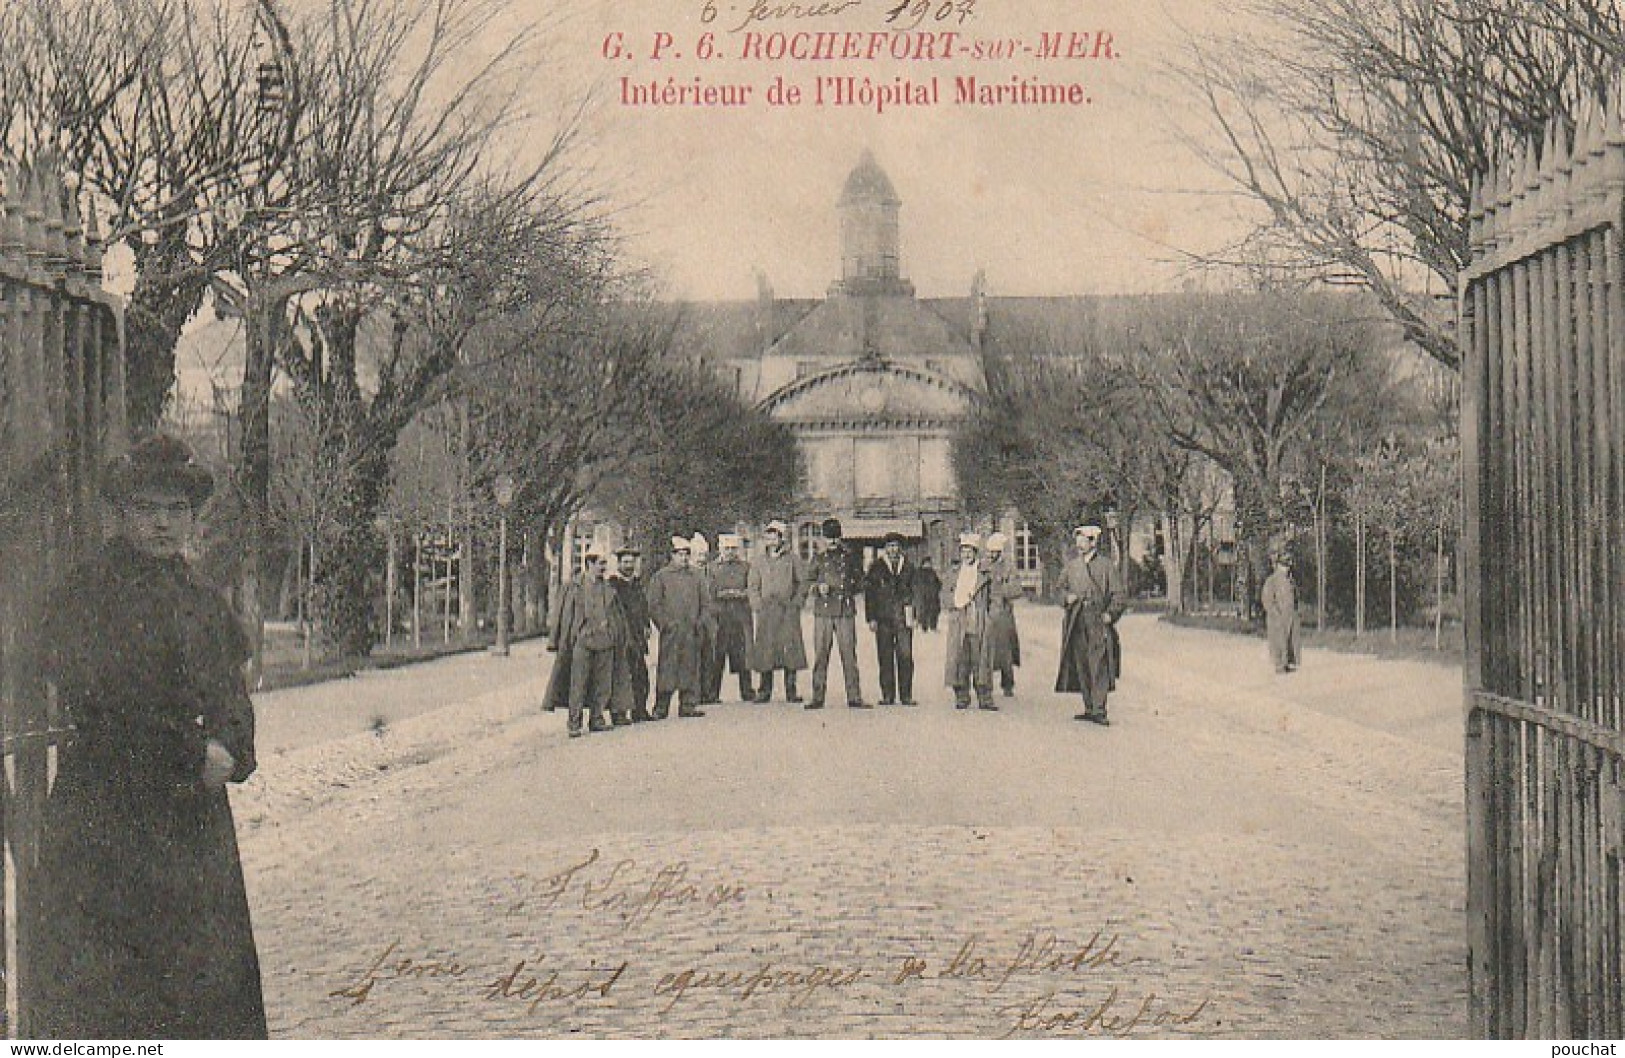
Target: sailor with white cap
[730, 592]
[777, 585]
[969, 661]
[679, 607]
[1095, 598]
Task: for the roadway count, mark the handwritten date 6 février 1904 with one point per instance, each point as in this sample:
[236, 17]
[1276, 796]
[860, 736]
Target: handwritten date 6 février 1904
[897, 14]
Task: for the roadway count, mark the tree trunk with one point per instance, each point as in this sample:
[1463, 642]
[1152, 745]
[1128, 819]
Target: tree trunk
[468, 565]
[1320, 554]
[309, 615]
[417, 590]
[253, 471]
[1438, 594]
[1172, 557]
[1359, 575]
[1393, 586]
[535, 578]
[391, 583]
[157, 311]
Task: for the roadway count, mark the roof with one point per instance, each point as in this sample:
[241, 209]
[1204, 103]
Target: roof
[869, 183]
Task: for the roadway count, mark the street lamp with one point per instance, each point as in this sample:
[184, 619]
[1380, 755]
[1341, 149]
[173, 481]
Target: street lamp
[1110, 518]
[502, 488]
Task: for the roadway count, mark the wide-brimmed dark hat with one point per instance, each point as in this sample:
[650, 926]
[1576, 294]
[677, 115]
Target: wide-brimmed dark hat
[159, 463]
[832, 528]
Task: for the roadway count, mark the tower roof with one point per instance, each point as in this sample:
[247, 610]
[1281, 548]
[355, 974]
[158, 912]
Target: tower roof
[869, 183]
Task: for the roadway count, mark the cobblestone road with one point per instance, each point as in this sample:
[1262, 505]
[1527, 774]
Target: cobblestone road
[1241, 854]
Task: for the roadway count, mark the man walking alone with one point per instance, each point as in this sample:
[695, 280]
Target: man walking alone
[1095, 599]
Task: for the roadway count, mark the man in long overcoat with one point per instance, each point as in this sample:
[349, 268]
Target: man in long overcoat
[1280, 599]
[700, 562]
[680, 606]
[730, 597]
[888, 604]
[969, 657]
[1004, 588]
[777, 586]
[927, 595]
[1095, 598]
[631, 699]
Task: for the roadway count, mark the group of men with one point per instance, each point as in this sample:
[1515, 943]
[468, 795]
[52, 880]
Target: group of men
[745, 617]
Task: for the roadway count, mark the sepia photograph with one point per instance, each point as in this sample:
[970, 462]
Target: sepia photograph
[987, 520]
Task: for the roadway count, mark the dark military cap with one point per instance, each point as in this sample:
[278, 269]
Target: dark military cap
[832, 528]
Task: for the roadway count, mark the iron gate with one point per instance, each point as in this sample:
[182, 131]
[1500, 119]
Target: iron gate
[61, 412]
[1543, 421]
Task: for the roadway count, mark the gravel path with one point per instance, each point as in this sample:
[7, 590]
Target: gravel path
[1240, 854]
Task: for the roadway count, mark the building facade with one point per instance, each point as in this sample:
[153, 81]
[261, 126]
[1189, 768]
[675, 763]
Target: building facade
[872, 380]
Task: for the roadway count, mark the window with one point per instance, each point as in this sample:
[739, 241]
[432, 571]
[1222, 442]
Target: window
[578, 548]
[936, 467]
[1026, 549]
[804, 540]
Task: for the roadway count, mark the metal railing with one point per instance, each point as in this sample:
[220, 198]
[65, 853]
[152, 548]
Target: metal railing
[61, 412]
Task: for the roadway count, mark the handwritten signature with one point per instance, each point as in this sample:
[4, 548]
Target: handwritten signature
[1045, 1014]
[623, 892]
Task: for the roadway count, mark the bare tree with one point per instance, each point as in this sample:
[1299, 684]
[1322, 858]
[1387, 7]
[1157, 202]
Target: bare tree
[1356, 127]
[1247, 381]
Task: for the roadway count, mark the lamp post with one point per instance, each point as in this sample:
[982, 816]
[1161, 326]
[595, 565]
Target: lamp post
[1110, 518]
[502, 488]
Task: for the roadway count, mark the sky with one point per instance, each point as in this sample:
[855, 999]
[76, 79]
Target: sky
[1097, 198]
[1101, 198]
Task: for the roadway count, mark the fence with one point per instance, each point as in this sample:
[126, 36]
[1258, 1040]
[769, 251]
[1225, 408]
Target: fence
[1543, 421]
[61, 411]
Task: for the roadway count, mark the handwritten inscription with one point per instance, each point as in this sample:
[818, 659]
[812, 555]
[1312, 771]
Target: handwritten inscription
[899, 14]
[392, 966]
[622, 890]
[525, 984]
[1078, 996]
[800, 985]
[1034, 955]
[1109, 1016]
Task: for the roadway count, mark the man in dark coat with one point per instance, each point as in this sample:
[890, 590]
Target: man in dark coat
[140, 924]
[730, 599]
[888, 603]
[1093, 592]
[699, 561]
[631, 699]
[927, 596]
[680, 606]
[592, 629]
[835, 581]
[777, 589]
